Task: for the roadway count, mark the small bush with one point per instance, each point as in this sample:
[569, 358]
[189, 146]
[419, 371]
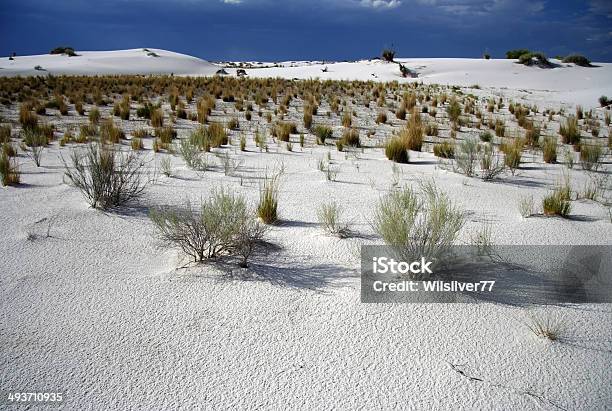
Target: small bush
[107, 179]
[69, 51]
[388, 54]
[466, 156]
[9, 170]
[531, 58]
[515, 54]
[396, 150]
[578, 60]
[191, 153]
[330, 217]
[416, 228]
[605, 101]
[223, 225]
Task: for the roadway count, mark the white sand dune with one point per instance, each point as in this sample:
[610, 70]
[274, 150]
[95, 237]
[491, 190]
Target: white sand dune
[565, 84]
[133, 61]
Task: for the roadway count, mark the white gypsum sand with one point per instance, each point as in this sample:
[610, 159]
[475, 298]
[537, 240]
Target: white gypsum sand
[99, 311]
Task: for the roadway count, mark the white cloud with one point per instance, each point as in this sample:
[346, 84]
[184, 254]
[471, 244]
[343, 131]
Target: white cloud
[232, 1]
[381, 4]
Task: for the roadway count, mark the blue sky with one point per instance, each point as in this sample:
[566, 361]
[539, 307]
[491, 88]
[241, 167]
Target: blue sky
[310, 29]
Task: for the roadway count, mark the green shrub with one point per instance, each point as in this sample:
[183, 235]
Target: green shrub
[515, 54]
[223, 225]
[388, 54]
[415, 227]
[578, 60]
[466, 156]
[486, 137]
[106, 178]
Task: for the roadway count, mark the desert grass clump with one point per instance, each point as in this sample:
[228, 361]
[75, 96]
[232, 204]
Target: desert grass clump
[9, 150]
[136, 144]
[549, 150]
[569, 131]
[283, 130]
[222, 225]
[5, 133]
[347, 118]
[165, 134]
[547, 327]
[94, 116]
[9, 171]
[526, 207]
[330, 217]
[412, 133]
[307, 119]
[396, 150]
[106, 178]
[267, 209]
[416, 227]
[157, 117]
[217, 134]
[110, 133]
[445, 149]
[513, 154]
[350, 137]
[590, 156]
[233, 124]
[556, 203]
[27, 118]
[381, 117]
[36, 141]
[322, 133]
[453, 110]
